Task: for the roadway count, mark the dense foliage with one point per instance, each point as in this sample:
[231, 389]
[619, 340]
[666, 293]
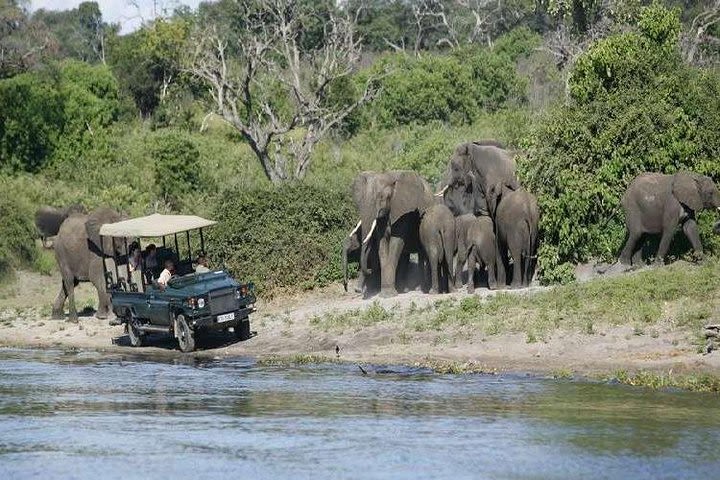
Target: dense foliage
[282, 237]
[16, 231]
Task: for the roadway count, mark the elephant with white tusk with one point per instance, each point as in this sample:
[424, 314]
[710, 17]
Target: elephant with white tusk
[391, 204]
[366, 282]
[658, 204]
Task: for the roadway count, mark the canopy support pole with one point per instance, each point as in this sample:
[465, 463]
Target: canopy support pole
[187, 234]
[202, 241]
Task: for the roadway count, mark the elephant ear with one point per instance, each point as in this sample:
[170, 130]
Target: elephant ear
[97, 219]
[410, 193]
[686, 191]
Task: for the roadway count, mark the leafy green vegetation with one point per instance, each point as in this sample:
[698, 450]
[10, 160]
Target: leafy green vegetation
[17, 232]
[694, 382]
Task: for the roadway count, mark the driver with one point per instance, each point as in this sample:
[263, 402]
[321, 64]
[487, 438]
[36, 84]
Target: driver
[202, 263]
[166, 274]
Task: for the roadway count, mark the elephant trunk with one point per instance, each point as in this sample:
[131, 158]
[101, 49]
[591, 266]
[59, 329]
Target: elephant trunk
[372, 230]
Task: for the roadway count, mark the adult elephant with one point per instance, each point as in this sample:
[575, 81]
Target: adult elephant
[391, 203]
[655, 203]
[516, 226]
[48, 219]
[480, 171]
[79, 255]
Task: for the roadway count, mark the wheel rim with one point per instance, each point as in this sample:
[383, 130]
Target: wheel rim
[184, 332]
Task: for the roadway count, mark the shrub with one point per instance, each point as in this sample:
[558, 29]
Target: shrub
[282, 237]
[177, 166]
[17, 231]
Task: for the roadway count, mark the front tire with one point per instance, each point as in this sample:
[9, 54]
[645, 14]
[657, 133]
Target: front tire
[242, 330]
[185, 335]
[135, 335]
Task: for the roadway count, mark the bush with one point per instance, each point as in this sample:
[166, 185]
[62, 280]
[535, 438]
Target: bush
[177, 166]
[17, 231]
[287, 237]
[452, 88]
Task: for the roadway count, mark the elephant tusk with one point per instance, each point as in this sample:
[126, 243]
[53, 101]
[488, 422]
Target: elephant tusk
[372, 229]
[355, 229]
[442, 192]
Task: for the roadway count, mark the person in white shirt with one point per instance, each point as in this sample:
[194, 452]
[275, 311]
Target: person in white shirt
[202, 264]
[166, 274]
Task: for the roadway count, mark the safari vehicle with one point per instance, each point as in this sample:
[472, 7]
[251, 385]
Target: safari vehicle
[191, 302]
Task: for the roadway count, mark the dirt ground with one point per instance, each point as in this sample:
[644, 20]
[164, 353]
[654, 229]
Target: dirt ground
[284, 328]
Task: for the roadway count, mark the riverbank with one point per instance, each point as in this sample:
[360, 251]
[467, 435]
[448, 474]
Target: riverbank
[649, 320]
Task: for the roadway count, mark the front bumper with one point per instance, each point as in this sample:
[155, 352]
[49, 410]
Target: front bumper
[211, 322]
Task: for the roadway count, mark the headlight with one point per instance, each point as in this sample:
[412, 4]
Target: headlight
[201, 303]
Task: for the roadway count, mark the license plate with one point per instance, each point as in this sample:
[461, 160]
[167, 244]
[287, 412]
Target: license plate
[226, 317]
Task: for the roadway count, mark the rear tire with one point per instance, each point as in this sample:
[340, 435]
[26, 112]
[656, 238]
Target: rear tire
[135, 335]
[242, 329]
[185, 335]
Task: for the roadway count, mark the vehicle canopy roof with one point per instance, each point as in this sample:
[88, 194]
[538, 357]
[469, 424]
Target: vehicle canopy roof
[155, 225]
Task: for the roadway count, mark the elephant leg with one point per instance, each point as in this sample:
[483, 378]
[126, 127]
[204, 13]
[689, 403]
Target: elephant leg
[390, 251]
[59, 304]
[471, 266]
[691, 232]
[500, 266]
[667, 237]
[103, 310]
[70, 290]
[448, 265]
[492, 274]
[462, 255]
[360, 282]
[629, 248]
[517, 268]
[434, 261]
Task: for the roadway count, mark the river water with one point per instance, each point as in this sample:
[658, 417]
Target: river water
[90, 416]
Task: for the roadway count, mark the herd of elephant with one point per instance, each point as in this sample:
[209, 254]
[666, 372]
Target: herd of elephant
[481, 216]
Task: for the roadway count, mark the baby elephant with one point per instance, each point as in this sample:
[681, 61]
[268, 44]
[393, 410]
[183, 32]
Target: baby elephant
[476, 244]
[517, 220]
[437, 239]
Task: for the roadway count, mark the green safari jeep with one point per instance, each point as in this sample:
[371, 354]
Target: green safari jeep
[191, 301]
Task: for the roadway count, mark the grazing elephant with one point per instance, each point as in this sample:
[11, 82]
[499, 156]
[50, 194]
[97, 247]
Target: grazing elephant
[367, 279]
[391, 203]
[656, 203]
[49, 219]
[516, 227]
[79, 255]
[476, 244]
[480, 169]
[437, 239]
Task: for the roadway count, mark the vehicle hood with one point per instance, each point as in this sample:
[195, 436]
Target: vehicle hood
[202, 283]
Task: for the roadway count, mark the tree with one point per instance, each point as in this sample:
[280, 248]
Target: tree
[275, 90]
[24, 42]
[703, 32]
[81, 32]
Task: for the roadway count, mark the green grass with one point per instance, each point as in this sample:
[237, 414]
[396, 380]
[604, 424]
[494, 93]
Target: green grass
[702, 382]
[44, 262]
[355, 318]
[639, 299]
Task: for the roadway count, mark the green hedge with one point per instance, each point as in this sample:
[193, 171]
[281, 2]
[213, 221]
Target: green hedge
[282, 238]
[17, 231]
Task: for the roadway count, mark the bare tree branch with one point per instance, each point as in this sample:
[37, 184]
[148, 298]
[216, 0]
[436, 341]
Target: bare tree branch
[251, 89]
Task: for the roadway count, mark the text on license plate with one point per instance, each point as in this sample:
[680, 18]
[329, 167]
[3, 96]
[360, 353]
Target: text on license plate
[226, 317]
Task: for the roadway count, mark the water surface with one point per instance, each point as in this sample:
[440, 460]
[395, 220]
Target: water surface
[88, 416]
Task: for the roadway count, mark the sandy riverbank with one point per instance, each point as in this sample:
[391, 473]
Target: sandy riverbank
[412, 328]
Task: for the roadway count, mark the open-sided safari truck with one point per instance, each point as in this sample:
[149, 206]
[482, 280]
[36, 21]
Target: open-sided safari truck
[190, 302]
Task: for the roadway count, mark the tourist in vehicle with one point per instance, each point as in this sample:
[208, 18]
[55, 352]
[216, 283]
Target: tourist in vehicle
[135, 257]
[150, 257]
[202, 264]
[166, 274]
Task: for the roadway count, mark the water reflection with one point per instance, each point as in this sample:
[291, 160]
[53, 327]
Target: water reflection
[84, 413]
